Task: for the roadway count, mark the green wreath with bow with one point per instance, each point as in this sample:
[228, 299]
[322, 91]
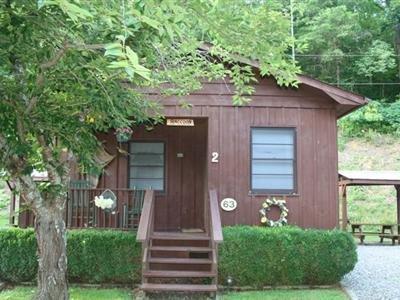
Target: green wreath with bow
[266, 207]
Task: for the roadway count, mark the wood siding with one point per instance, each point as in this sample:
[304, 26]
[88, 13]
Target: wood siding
[309, 110]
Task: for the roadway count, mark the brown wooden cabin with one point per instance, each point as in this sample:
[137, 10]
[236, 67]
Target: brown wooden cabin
[282, 144]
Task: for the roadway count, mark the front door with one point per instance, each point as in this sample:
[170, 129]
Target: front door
[175, 166]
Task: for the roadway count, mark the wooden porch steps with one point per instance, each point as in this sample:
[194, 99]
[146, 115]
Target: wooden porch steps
[179, 262]
[179, 274]
[181, 249]
[173, 260]
[180, 236]
[152, 287]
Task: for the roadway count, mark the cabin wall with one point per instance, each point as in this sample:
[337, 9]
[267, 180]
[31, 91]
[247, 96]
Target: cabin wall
[309, 110]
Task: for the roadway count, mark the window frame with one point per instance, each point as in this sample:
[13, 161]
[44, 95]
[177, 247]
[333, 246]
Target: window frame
[163, 191]
[292, 191]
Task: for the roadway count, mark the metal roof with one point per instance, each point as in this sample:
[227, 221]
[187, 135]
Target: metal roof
[369, 177]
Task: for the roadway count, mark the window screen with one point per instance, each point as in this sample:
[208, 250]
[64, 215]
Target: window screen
[273, 160]
[146, 166]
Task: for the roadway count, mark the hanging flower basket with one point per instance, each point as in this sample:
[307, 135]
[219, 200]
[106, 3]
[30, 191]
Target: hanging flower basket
[106, 201]
[266, 207]
[123, 134]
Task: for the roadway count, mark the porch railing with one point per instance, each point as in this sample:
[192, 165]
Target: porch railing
[81, 212]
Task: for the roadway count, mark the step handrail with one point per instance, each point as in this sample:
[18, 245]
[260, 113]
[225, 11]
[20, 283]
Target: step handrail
[145, 229]
[215, 231]
[215, 218]
[146, 219]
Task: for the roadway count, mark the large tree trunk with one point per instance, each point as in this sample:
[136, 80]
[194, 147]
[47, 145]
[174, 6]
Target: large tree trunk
[51, 239]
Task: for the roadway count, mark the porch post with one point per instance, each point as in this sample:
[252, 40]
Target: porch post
[344, 206]
[12, 204]
[398, 207]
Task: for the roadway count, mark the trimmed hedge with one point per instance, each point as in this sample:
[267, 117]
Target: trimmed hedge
[18, 261]
[259, 256]
[94, 256]
[252, 256]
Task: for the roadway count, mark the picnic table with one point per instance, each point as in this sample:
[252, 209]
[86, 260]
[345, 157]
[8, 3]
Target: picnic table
[387, 231]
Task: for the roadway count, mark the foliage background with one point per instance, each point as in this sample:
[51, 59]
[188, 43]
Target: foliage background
[354, 44]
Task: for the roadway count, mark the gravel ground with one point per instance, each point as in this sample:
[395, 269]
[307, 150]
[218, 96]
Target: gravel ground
[376, 275]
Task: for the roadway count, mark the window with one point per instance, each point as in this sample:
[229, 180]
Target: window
[273, 160]
[146, 165]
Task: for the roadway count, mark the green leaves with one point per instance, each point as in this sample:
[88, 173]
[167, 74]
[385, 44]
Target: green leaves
[114, 49]
[347, 41]
[127, 59]
[375, 117]
[74, 11]
[380, 58]
[149, 21]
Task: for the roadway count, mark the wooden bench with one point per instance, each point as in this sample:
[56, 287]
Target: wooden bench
[393, 237]
[386, 232]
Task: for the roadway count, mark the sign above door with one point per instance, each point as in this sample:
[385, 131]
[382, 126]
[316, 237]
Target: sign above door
[180, 122]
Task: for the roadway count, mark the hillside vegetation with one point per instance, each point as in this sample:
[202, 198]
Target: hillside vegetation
[373, 152]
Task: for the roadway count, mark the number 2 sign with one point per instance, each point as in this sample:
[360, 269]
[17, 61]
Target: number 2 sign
[228, 204]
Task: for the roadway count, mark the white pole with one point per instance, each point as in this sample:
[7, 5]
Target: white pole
[292, 29]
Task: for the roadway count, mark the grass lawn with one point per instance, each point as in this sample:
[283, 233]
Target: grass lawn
[26, 293]
[317, 294]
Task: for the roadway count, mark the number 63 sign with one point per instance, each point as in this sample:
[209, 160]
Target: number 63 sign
[228, 204]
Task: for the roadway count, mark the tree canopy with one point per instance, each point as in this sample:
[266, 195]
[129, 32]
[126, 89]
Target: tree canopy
[354, 44]
[62, 62]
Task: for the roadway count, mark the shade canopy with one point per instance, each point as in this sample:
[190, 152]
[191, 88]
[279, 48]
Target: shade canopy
[369, 177]
[352, 178]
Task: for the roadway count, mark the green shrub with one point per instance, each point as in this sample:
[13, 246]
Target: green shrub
[258, 256]
[97, 256]
[94, 256]
[18, 260]
[380, 117]
[254, 256]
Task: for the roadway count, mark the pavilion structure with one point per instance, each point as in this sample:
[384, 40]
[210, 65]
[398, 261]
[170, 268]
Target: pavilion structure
[367, 178]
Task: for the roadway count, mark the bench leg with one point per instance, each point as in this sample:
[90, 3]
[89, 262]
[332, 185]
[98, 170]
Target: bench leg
[362, 240]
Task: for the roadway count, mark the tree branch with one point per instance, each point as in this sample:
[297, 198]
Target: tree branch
[52, 62]
[48, 159]
[86, 46]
